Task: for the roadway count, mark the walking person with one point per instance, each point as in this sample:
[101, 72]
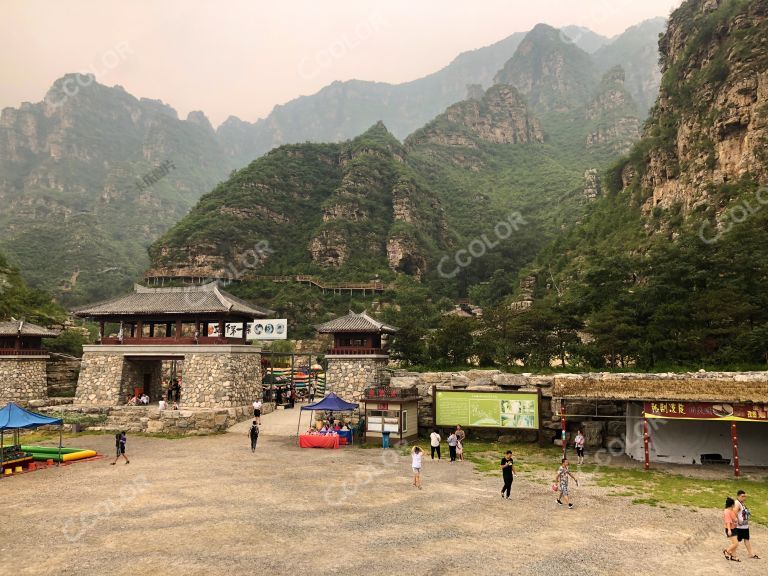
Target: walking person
[257, 410]
[311, 392]
[253, 432]
[729, 522]
[508, 473]
[452, 441]
[562, 478]
[120, 440]
[742, 523]
[416, 454]
[434, 443]
[460, 435]
[579, 442]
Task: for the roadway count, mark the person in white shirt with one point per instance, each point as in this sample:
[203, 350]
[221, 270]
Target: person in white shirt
[579, 442]
[144, 399]
[452, 441]
[434, 443]
[416, 454]
[257, 410]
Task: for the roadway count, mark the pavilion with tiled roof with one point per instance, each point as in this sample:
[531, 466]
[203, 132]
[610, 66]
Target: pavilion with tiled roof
[356, 334]
[190, 314]
[200, 330]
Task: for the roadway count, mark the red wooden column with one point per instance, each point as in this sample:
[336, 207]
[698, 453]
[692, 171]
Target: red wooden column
[735, 440]
[562, 424]
[646, 439]
[177, 333]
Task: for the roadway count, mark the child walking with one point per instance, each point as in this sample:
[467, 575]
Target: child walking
[563, 474]
[416, 454]
[120, 440]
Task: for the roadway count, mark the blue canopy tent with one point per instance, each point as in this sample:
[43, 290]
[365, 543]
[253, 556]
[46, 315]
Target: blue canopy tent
[330, 403]
[14, 417]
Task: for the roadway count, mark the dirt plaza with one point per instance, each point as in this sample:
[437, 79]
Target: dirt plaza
[207, 505]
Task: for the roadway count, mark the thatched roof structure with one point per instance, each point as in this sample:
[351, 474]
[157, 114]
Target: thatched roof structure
[738, 387]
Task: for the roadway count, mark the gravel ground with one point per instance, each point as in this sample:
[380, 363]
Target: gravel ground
[208, 505]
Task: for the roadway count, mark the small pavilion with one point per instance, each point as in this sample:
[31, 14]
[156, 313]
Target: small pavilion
[202, 326]
[358, 356]
[23, 361]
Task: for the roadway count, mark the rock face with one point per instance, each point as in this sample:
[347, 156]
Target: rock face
[500, 117]
[22, 379]
[616, 122]
[91, 175]
[710, 124]
[591, 184]
[61, 374]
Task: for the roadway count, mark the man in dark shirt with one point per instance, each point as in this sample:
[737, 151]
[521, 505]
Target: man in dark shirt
[508, 471]
[253, 432]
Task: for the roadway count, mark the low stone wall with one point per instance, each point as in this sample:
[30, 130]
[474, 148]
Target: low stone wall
[152, 420]
[22, 379]
[608, 423]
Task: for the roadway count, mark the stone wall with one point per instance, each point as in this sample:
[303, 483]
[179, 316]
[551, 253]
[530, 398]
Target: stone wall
[22, 379]
[213, 377]
[221, 380]
[101, 379]
[152, 420]
[596, 430]
[349, 377]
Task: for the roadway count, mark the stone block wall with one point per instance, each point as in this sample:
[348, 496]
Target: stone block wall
[596, 431]
[221, 380]
[101, 379]
[349, 377]
[22, 379]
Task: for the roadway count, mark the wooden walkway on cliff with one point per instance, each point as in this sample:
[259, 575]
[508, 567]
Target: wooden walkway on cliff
[372, 287]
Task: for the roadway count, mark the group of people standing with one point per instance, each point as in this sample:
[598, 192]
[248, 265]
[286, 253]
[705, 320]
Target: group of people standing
[455, 443]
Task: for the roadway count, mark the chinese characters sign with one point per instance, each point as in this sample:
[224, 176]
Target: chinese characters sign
[707, 411]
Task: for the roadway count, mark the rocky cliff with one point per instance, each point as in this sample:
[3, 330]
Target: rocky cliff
[710, 124]
[90, 176]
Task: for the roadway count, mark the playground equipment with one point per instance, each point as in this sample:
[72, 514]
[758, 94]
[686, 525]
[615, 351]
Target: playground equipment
[45, 453]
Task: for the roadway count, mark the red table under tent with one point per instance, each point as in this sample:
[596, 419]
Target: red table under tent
[331, 403]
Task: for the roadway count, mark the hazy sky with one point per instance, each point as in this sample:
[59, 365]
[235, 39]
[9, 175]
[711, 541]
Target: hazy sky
[242, 57]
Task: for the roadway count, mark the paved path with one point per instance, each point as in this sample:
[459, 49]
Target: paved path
[277, 423]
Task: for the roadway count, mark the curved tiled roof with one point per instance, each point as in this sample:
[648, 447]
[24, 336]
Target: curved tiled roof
[204, 299]
[355, 323]
[16, 327]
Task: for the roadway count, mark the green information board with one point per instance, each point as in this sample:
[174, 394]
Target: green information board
[487, 409]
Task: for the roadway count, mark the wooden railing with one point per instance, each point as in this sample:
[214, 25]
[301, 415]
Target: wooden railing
[355, 351]
[372, 286]
[147, 341]
[22, 352]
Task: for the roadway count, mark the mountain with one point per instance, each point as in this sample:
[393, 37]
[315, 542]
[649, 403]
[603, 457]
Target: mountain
[19, 301]
[636, 51]
[585, 38]
[668, 268]
[342, 110]
[90, 176]
[352, 209]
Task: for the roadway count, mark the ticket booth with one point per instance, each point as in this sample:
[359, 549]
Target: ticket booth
[392, 410]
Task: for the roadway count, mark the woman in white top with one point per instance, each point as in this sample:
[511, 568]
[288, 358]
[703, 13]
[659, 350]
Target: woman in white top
[416, 454]
[579, 442]
[434, 443]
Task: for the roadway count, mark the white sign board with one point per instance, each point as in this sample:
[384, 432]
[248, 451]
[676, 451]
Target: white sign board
[257, 330]
[268, 329]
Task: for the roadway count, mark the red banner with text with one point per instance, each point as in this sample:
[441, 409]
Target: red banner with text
[707, 411]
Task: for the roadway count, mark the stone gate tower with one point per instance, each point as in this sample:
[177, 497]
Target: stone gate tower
[358, 356]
